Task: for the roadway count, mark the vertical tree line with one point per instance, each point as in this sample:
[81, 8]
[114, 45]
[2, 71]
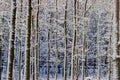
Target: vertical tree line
[20, 50]
[37, 43]
[65, 35]
[28, 44]
[0, 56]
[12, 43]
[115, 42]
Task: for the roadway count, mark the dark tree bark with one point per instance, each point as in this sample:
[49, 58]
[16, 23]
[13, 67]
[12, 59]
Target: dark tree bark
[0, 56]
[66, 53]
[27, 54]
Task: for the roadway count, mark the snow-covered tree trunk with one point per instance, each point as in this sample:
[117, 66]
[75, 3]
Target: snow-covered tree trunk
[74, 42]
[110, 53]
[83, 46]
[28, 45]
[77, 38]
[56, 71]
[48, 54]
[20, 52]
[12, 42]
[98, 52]
[56, 40]
[65, 54]
[116, 42]
[83, 52]
[0, 55]
[37, 45]
[19, 63]
[72, 56]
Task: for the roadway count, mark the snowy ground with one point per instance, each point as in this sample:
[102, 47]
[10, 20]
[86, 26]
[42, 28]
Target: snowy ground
[44, 78]
[59, 78]
[43, 75]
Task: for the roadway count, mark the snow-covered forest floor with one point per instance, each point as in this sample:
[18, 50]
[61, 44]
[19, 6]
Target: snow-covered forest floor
[59, 78]
[43, 75]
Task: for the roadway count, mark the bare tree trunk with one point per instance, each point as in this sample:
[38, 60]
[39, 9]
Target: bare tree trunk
[19, 62]
[83, 47]
[83, 52]
[98, 52]
[72, 56]
[33, 49]
[56, 71]
[48, 55]
[77, 75]
[110, 59]
[11, 45]
[65, 56]
[28, 45]
[77, 39]
[37, 46]
[116, 42]
[74, 42]
[0, 56]
[20, 52]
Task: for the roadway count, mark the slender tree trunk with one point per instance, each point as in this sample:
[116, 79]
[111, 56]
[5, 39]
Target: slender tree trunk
[56, 71]
[20, 52]
[77, 39]
[86, 54]
[28, 45]
[83, 52]
[83, 47]
[98, 52]
[11, 45]
[72, 56]
[33, 49]
[48, 55]
[74, 43]
[0, 56]
[115, 45]
[110, 59]
[19, 63]
[77, 75]
[37, 46]
[65, 56]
